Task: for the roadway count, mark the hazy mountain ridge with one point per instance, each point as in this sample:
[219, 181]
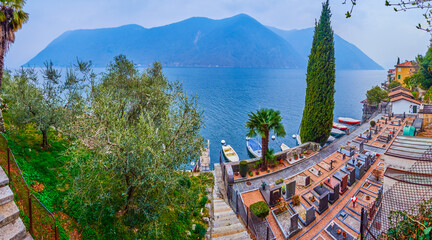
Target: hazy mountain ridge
[239, 41]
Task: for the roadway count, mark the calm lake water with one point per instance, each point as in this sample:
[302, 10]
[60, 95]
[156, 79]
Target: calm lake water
[228, 95]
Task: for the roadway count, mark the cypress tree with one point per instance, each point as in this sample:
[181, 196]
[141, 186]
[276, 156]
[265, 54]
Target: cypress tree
[317, 118]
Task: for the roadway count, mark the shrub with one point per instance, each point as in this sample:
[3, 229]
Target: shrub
[200, 230]
[260, 209]
[203, 201]
[243, 168]
[372, 123]
[296, 200]
[251, 173]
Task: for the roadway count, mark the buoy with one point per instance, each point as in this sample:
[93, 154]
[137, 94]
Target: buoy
[193, 163]
[247, 138]
[294, 136]
[223, 141]
[273, 137]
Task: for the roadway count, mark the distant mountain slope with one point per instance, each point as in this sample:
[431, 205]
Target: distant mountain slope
[347, 55]
[239, 41]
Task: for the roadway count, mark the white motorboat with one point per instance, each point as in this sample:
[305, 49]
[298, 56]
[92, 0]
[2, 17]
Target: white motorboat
[254, 147]
[351, 121]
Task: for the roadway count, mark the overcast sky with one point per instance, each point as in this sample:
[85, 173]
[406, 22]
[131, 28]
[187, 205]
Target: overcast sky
[377, 30]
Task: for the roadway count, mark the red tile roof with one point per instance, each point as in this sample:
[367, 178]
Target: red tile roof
[391, 70]
[399, 88]
[405, 98]
[400, 91]
[405, 64]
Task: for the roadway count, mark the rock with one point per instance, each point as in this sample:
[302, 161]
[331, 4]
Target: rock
[208, 189]
[193, 227]
[206, 219]
[188, 233]
[208, 205]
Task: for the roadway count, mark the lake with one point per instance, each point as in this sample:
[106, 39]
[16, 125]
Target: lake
[228, 95]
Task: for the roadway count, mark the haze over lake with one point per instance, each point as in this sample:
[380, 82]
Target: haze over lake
[227, 95]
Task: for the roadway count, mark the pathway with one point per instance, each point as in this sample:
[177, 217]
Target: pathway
[308, 163]
[226, 225]
[11, 225]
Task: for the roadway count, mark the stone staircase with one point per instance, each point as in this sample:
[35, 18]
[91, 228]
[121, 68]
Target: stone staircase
[11, 225]
[226, 225]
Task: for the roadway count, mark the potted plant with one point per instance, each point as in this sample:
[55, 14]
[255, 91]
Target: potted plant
[344, 235]
[377, 174]
[268, 170]
[243, 168]
[367, 197]
[260, 209]
[312, 198]
[257, 172]
[295, 156]
[338, 231]
[251, 174]
[283, 189]
[332, 225]
[372, 123]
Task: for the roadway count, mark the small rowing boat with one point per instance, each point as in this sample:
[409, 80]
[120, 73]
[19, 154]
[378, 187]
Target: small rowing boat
[284, 147]
[349, 120]
[340, 126]
[230, 154]
[254, 147]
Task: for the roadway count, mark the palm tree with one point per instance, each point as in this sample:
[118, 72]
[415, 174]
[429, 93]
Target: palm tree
[12, 17]
[261, 123]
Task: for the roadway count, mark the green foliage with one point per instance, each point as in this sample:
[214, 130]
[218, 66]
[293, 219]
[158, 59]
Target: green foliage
[376, 95]
[200, 230]
[372, 123]
[279, 181]
[428, 96]
[260, 209]
[261, 123]
[317, 118]
[408, 226]
[251, 174]
[415, 94]
[143, 129]
[393, 84]
[423, 76]
[203, 201]
[410, 81]
[271, 158]
[243, 168]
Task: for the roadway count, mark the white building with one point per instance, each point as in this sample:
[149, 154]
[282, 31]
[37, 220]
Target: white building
[403, 104]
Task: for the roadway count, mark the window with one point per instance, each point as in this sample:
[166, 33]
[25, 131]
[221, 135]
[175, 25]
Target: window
[399, 76]
[399, 69]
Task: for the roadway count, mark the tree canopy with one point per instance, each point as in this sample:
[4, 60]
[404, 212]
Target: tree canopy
[376, 95]
[317, 118]
[141, 131]
[393, 84]
[262, 123]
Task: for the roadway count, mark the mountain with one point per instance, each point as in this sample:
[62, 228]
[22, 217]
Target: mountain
[347, 55]
[238, 41]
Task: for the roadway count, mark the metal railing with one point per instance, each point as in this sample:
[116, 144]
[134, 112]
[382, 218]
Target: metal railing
[42, 223]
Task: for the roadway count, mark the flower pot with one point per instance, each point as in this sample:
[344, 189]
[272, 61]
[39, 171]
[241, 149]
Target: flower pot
[243, 168]
[338, 231]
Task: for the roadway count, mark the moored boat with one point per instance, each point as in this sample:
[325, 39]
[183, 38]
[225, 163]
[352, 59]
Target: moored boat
[349, 120]
[254, 148]
[336, 132]
[230, 154]
[284, 147]
[340, 126]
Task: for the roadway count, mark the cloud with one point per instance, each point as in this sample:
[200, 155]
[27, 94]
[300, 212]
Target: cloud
[377, 30]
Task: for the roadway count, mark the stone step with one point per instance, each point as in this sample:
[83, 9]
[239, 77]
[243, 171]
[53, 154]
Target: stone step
[225, 222]
[6, 195]
[222, 214]
[13, 231]
[28, 237]
[236, 236]
[220, 205]
[4, 180]
[226, 217]
[226, 229]
[9, 212]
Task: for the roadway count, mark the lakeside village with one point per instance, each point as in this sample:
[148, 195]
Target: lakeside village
[345, 190]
